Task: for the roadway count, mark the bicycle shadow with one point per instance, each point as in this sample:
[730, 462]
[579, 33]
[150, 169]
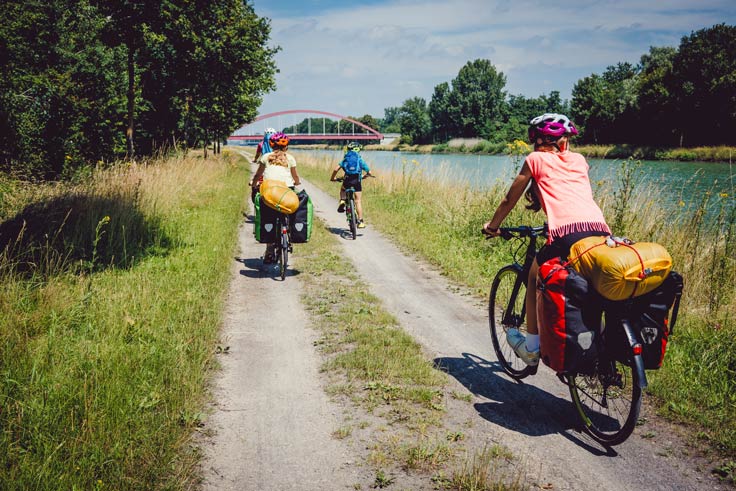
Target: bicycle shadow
[256, 269]
[343, 233]
[518, 406]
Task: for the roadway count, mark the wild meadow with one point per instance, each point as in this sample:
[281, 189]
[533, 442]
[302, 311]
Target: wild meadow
[109, 321]
[439, 219]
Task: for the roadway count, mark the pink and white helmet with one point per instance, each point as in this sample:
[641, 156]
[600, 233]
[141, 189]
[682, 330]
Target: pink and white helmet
[551, 124]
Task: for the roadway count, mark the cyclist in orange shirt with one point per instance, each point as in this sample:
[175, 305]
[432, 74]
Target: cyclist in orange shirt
[556, 181]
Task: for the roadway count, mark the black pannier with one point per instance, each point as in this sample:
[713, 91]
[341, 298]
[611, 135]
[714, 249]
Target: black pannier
[264, 226]
[300, 222]
[649, 316]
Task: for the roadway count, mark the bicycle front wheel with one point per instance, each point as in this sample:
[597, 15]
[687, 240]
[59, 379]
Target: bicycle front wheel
[353, 219]
[283, 256]
[506, 310]
[608, 403]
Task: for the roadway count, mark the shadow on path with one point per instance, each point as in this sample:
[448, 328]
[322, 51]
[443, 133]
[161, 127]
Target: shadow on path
[256, 269]
[517, 406]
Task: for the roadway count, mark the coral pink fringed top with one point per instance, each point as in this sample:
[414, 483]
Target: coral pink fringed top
[565, 193]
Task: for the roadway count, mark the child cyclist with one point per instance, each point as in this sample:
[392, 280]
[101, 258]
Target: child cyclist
[558, 183]
[353, 165]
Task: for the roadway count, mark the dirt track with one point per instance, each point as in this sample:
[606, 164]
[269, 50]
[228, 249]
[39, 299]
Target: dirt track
[272, 422]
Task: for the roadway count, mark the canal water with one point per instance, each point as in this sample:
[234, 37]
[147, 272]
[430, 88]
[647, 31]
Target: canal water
[674, 181]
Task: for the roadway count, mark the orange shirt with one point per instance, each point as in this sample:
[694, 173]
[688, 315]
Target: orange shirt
[565, 193]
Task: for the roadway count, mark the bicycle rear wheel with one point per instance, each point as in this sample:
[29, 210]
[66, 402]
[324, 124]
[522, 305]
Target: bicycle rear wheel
[353, 219]
[506, 310]
[283, 252]
[607, 403]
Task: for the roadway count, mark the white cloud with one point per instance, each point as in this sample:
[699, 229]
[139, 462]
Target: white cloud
[364, 59]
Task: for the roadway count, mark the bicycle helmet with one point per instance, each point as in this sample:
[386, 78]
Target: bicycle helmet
[279, 139]
[269, 130]
[551, 125]
[354, 146]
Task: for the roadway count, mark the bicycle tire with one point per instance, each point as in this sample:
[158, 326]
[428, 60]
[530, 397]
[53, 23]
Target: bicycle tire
[608, 411]
[506, 291]
[283, 256]
[353, 219]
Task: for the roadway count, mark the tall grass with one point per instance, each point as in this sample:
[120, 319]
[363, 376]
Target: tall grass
[109, 321]
[439, 219]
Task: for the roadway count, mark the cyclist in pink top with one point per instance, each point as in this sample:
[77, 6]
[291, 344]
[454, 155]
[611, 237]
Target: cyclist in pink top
[557, 182]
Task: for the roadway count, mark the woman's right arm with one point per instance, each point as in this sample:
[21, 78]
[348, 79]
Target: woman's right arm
[257, 175]
[509, 201]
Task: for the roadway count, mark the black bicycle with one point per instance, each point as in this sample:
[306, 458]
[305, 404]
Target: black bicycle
[350, 211]
[282, 245]
[608, 400]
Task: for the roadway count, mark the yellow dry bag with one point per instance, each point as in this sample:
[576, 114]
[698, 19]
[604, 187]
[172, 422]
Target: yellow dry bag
[277, 195]
[619, 269]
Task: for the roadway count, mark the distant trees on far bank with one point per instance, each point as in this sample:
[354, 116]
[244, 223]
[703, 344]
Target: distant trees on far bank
[683, 96]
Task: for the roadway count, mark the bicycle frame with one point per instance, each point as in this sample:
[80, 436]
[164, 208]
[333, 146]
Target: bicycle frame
[529, 256]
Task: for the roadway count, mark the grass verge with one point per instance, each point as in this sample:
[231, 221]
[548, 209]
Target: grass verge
[440, 220]
[110, 315]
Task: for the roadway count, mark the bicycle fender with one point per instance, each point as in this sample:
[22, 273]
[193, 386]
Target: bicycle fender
[638, 361]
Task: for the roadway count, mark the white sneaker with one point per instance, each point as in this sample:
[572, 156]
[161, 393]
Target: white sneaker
[517, 341]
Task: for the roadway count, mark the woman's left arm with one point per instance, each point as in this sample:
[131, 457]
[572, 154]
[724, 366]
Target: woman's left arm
[295, 176]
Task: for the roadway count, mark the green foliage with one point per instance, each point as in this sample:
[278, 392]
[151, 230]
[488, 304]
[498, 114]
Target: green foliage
[703, 85]
[681, 96]
[414, 121]
[66, 98]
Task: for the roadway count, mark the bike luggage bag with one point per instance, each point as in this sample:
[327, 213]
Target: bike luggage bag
[618, 269]
[568, 313]
[279, 196]
[649, 316]
[300, 223]
[264, 226]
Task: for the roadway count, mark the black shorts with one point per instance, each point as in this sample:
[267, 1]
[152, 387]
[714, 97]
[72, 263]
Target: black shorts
[561, 245]
[352, 181]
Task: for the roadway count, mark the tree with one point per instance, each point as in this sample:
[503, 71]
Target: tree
[390, 122]
[703, 86]
[439, 112]
[476, 100]
[656, 108]
[603, 105]
[414, 121]
[59, 87]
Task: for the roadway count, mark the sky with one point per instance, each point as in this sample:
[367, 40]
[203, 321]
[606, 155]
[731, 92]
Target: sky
[360, 57]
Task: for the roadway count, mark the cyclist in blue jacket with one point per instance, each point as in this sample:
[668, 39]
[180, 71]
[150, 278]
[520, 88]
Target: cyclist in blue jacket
[353, 165]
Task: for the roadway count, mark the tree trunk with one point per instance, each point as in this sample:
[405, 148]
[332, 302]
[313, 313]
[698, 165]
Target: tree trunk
[206, 143]
[131, 102]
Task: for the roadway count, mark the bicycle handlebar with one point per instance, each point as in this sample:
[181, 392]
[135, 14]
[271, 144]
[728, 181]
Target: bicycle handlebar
[508, 233]
[341, 179]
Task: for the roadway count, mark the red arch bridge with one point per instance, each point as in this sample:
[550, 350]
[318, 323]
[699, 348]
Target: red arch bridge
[316, 129]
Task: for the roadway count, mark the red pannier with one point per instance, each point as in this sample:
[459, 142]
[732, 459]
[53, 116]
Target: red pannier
[569, 315]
